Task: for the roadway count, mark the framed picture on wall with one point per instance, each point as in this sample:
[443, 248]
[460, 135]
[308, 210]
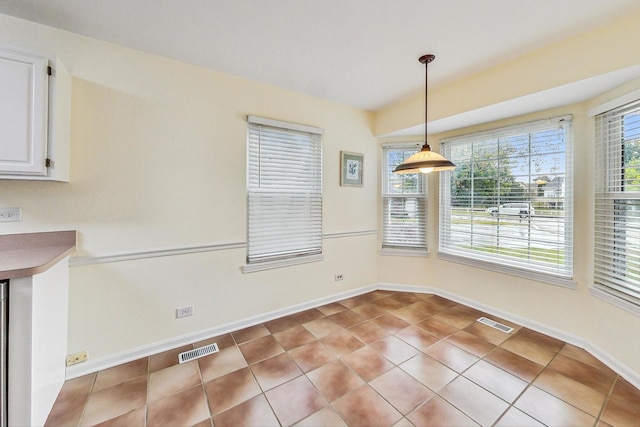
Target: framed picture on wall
[351, 165]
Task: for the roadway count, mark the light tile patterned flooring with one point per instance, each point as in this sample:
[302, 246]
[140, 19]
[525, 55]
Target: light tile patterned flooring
[378, 359]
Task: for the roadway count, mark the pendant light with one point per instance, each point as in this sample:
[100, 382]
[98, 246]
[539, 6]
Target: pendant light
[426, 160]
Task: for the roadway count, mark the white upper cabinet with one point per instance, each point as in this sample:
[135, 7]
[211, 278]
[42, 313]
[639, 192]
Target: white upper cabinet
[34, 117]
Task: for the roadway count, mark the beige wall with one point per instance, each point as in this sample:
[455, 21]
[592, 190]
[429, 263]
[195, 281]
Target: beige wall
[574, 312]
[605, 49]
[158, 162]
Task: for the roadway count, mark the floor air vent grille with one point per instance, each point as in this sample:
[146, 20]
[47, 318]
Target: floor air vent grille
[198, 352]
[499, 326]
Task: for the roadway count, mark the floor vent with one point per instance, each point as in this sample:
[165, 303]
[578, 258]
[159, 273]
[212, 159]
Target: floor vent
[198, 352]
[496, 325]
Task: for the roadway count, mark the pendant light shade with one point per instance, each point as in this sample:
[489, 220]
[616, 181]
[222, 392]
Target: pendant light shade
[426, 160]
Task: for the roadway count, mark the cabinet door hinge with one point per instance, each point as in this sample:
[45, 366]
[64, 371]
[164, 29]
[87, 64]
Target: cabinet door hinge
[49, 70]
[47, 163]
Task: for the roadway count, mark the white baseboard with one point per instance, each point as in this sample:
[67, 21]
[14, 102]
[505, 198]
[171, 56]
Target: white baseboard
[99, 364]
[95, 365]
[522, 321]
[620, 368]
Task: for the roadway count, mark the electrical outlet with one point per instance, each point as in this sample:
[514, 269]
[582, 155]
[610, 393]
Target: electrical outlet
[10, 214]
[74, 358]
[338, 277]
[184, 312]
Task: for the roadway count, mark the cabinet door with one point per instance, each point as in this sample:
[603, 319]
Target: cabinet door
[23, 113]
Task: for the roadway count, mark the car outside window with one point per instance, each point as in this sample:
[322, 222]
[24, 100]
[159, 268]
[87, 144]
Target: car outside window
[521, 209]
[508, 205]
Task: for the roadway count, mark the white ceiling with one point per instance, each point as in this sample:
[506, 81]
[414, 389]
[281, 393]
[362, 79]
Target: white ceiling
[362, 53]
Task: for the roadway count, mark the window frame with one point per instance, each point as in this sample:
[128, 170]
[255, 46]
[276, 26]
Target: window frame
[271, 181]
[389, 247]
[502, 261]
[609, 279]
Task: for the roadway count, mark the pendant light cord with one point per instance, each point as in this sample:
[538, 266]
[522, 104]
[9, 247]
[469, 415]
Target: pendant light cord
[425, 161]
[425, 60]
[426, 102]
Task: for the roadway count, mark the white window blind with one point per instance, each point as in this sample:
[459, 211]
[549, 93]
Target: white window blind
[284, 190]
[617, 203]
[404, 201]
[509, 202]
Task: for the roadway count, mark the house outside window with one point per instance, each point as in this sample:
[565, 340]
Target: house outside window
[508, 205]
[404, 202]
[284, 194]
[617, 204]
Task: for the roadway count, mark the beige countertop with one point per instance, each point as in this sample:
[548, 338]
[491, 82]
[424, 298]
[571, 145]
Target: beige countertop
[27, 254]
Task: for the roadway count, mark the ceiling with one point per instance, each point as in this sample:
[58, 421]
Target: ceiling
[362, 53]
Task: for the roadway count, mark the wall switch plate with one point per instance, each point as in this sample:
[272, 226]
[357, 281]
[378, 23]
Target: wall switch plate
[74, 358]
[338, 277]
[184, 312]
[10, 214]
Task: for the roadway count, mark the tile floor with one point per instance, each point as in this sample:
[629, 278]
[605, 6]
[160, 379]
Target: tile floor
[378, 359]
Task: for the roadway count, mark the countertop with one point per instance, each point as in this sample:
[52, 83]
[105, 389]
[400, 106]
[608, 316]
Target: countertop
[26, 254]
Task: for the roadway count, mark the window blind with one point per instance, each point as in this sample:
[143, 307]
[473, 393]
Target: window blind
[404, 201]
[617, 202]
[509, 202]
[284, 190]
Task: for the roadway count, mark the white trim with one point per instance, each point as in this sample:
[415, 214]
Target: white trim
[423, 253]
[539, 327]
[89, 260]
[513, 271]
[279, 263]
[620, 368]
[349, 234]
[612, 299]
[94, 365]
[285, 125]
[615, 103]
[403, 144]
[131, 256]
[614, 364]
[529, 127]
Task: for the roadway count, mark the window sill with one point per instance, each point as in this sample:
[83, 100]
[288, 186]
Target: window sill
[423, 253]
[513, 271]
[611, 298]
[269, 265]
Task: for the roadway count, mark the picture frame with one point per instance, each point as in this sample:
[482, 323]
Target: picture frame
[351, 169]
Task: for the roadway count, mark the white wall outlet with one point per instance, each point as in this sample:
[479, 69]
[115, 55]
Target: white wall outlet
[74, 358]
[10, 214]
[184, 312]
[338, 276]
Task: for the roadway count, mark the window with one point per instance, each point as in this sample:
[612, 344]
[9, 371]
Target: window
[508, 205]
[617, 203]
[404, 211]
[284, 224]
